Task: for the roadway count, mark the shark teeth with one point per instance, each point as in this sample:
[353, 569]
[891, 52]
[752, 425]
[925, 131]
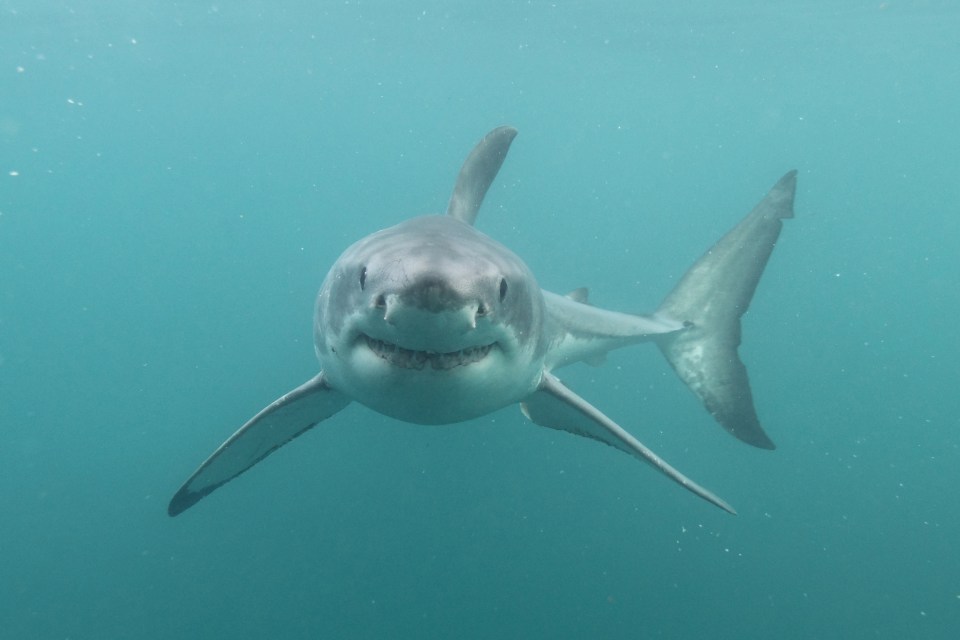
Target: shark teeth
[410, 359]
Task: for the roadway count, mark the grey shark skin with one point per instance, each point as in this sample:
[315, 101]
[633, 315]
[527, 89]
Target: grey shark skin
[433, 322]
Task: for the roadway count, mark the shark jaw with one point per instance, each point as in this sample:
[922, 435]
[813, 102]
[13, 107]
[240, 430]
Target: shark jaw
[429, 385]
[404, 358]
[426, 370]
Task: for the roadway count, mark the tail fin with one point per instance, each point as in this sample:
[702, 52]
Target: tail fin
[710, 298]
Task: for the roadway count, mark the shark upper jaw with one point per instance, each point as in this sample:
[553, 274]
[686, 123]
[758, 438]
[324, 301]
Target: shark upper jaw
[426, 346]
[421, 359]
[397, 337]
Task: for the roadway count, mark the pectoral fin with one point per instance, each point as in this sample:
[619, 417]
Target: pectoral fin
[277, 424]
[556, 406]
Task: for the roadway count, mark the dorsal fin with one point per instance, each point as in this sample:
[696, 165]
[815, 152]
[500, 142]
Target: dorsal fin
[580, 294]
[478, 172]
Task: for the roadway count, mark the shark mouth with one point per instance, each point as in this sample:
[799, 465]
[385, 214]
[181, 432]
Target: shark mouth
[410, 359]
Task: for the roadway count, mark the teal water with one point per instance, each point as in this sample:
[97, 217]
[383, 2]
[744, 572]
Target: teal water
[175, 179]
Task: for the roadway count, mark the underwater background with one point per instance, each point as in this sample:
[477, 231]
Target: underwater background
[176, 178]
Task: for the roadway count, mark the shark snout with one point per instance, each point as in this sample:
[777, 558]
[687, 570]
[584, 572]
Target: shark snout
[449, 318]
[437, 301]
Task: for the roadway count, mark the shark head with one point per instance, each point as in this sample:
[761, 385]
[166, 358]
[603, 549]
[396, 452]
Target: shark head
[432, 322]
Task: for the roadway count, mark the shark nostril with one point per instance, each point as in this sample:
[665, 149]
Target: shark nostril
[503, 289]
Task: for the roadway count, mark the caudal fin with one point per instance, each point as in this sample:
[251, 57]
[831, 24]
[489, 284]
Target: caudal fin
[709, 299]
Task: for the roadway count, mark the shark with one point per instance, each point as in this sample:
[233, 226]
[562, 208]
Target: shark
[433, 322]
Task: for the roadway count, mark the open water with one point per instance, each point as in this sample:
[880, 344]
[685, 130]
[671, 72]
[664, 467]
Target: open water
[176, 178]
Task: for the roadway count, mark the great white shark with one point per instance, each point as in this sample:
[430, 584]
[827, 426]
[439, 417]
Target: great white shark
[433, 322]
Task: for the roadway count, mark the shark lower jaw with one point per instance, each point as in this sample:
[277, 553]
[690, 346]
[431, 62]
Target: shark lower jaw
[426, 360]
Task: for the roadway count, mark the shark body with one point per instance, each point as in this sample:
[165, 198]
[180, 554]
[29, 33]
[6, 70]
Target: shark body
[433, 322]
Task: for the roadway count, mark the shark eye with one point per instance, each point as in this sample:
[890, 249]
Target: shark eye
[481, 310]
[363, 278]
[503, 289]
